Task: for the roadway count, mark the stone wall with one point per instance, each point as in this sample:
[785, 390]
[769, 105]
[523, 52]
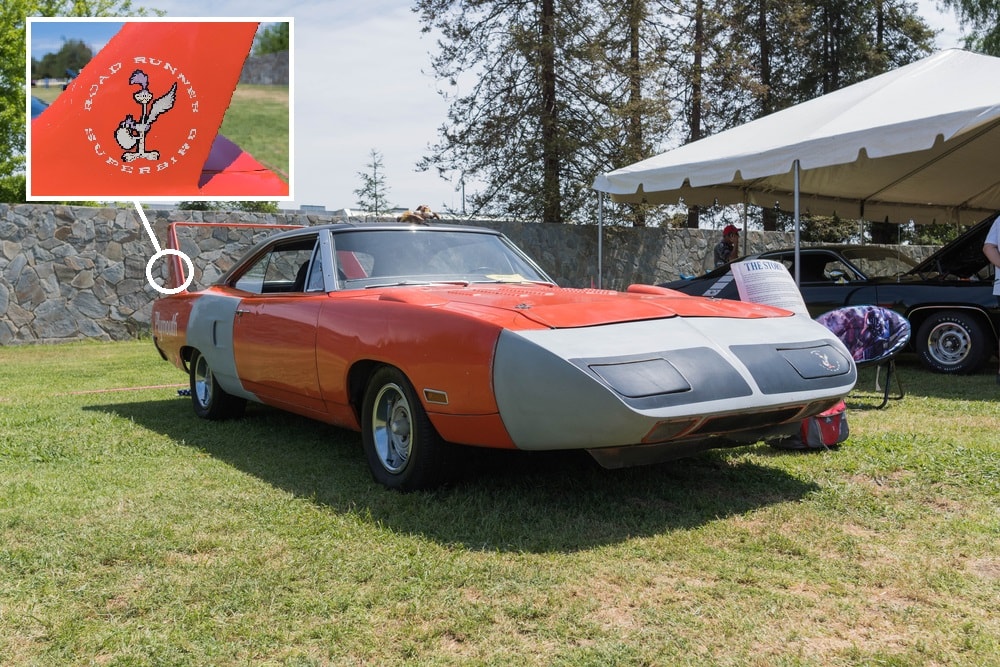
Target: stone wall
[269, 69]
[68, 273]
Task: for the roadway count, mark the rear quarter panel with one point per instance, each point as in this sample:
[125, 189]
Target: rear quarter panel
[169, 322]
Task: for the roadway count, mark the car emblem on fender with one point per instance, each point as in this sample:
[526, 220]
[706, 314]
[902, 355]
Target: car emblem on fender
[824, 360]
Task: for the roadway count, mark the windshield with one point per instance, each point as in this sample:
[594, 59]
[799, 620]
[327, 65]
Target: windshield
[377, 258]
[877, 262]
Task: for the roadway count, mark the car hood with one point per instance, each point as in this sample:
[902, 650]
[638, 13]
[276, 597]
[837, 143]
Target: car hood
[962, 257]
[560, 307]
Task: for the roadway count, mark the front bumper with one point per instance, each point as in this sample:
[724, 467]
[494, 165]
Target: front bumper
[675, 380]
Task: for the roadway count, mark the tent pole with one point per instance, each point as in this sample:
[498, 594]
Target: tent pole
[795, 166]
[746, 205]
[600, 238]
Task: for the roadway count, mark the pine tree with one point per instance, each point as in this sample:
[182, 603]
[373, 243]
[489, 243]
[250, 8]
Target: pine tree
[981, 20]
[373, 195]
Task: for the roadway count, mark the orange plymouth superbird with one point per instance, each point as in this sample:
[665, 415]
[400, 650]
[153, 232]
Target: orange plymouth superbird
[425, 337]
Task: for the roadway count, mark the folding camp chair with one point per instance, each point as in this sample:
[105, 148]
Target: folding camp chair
[874, 336]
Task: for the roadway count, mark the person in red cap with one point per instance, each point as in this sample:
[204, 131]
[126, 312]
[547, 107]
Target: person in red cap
[727, 250]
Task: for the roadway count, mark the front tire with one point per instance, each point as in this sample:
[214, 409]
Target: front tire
[403, 449]
[953, 342]
[209, 399]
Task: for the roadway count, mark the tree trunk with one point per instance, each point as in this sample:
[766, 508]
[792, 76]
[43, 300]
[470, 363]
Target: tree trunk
[764, 39]
[696, 78]
[635, 143]
[551, 210]
[769, 216]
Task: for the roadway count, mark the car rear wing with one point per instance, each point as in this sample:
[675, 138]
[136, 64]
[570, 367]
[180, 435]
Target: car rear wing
[175, 266]
[142, 119]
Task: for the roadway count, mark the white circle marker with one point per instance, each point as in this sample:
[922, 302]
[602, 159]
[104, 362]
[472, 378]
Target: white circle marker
[160, 253]
[170, 290]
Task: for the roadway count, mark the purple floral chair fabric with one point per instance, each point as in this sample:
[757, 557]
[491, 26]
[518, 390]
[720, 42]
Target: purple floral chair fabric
[873, 335]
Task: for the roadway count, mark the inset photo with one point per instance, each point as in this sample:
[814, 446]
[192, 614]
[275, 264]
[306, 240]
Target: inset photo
[159, 109]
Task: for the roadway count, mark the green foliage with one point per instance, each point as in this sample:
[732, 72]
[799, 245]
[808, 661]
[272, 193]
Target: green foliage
[247, 206]
[981, 21]
[12, 119]
[12, 187]
[272, 39]
[936, 234]
[12, 68]
[255, 206]
[199, 205]
[629, 80]
[72, 56]
[832, 229]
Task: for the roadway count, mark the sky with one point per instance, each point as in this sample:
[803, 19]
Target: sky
[361, 82]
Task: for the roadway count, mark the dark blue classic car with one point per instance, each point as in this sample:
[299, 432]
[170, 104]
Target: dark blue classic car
[948, 297]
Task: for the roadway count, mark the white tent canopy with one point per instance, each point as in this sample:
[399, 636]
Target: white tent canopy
[921, 142]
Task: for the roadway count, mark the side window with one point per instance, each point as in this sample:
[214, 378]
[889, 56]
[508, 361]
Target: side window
[252, 279]
[836, 271]
[315, 283]
[284, 268]
[812, 269]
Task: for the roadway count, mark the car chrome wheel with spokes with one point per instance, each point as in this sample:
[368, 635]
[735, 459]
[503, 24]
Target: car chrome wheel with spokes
[953, 342]
[210, 400]
[392, 426]
[403, 449]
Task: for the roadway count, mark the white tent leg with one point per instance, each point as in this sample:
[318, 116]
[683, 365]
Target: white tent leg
[795, 166]
[600, 240]
[746, 206]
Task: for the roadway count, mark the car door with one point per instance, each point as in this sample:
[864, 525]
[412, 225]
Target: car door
[274, 332]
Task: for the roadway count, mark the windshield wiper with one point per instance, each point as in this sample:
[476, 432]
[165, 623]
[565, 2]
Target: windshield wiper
[416, 283]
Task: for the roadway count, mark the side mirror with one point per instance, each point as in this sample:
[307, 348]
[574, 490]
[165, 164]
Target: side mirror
[837, 275]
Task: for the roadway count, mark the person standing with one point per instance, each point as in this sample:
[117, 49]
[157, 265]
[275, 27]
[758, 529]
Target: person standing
[727, 250]
[991, 248]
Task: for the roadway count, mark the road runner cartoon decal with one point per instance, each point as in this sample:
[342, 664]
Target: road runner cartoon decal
[142, 120]
[132, 133]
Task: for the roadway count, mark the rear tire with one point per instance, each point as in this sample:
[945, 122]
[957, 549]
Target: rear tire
[211, 401]
[404, 451]
[953, 342]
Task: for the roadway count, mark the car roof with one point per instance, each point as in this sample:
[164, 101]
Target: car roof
[340, 227]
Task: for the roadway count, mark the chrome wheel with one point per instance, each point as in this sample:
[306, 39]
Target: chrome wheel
[201, 383]
[954, 341]
[948, 343]
[403, 449]
[208, 398]
[392, 428]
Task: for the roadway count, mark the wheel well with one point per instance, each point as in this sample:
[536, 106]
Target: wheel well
[357, 382]
[186, 352]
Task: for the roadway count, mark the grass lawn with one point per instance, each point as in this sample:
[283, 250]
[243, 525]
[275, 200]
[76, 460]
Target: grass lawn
[257, 121]
[132, 533]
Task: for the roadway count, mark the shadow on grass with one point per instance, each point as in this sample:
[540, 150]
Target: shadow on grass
[518, 501]
[918, 381]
